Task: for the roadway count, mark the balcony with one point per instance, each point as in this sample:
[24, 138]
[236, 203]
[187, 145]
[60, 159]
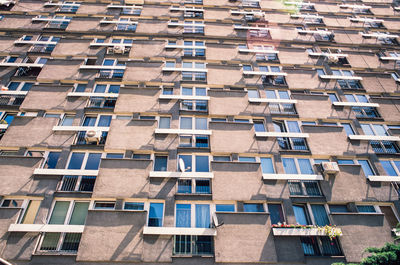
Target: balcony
[11, 100]
[300, 230]
[374, 138]
[77, 183]
[170, 231]
[194, 105]
[83, 139]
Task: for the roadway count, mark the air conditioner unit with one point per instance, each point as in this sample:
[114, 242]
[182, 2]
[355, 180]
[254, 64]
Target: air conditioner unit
[333, 58]
[330, 168]
[93, 136]
[118, 49]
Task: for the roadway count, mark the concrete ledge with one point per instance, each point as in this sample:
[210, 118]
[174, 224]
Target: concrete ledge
[292, 177]
[147, 230]
[340, 77]
[272, 100]
[374, 138]
[282, 134]
[80, 128]
[183, 131]
[171, 174]
[89, 94]
[70, 172]
[45, 228]
[183, 97]
[384, 178]
[355, 104]
[264, 73]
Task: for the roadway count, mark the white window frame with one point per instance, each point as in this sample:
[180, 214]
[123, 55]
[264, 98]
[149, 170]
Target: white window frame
[69, 211]
[85, 158]
[193, 211]
[193, 122]
[193, 155]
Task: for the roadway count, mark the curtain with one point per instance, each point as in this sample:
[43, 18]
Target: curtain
[183, 214]
[202, 164]
[203, 215]
[320, 216]
[289, 166]
[79, 213]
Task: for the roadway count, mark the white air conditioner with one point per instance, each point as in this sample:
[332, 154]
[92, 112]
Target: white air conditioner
[119, 49]
[93, 136]
[333, 58]
[330, 168]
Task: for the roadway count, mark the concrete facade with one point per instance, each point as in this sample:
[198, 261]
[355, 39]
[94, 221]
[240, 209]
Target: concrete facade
[192, 131]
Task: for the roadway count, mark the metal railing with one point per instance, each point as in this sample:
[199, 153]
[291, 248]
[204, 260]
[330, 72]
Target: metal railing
[11, 100]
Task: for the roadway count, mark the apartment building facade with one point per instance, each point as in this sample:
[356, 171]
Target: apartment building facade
[198, 131]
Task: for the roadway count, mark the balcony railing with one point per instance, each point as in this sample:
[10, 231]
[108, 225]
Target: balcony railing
[78, 183]
[304, 188]
[282, 108]
[43, 48]
[11, 100]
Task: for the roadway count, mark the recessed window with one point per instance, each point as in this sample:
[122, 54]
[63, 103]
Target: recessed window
[224, 207]
[160, 163]
[134, 206]
[104, 205]
[276, 213]
[366, 209]
[253, 207]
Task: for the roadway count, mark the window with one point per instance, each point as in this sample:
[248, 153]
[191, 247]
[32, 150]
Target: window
[304, 187]
[60, 242]
[106, 89]
[347, 84]
[366, 209]
[194, 186]
[195, 163]
[194, 49]
[104, 205]
[333, 97]
[141, 156]
[115, 155]
[253, 207]
[253, 93]
[160, 163]
[290, 143]
[250, 159]
[348, 128]
[84, 161]
[125, 24]
[117, 69]
[225, 208]
[68, 7]
[338, 208]
[51, 160]
[280, 108]
[164, 123]
[320, 246]
[196, 27]
[69, 213]
[156, 214]
[29, 208]
[193, 245]
[391, 167]
[266, 165]
[126, 10]
[195, 123]
[168, 91]
[222, 158]
[380, 146]
[276, 213]
[77, 183]
[366, 167]
[259, 125]
[134, 206]
[19, 86]
[362, 112]
[200, 219]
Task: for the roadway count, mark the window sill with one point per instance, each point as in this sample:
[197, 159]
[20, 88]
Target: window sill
[54, 253]
[192, 256]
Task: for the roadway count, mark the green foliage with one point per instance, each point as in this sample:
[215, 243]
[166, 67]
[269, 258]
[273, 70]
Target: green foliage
[389, 254]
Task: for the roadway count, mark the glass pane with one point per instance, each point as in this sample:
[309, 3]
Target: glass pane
[202, 164]
[184, 186]
[225, 208]
[105, 121]
[137, 206]
[270, 94]
[300, 214]
[203, 215]
[310, 246]
[59, 212]
[160, 163]
[156, 214]
[253, 207]
[187, 160]
[71, 242]
[186, 123]
[76, 161]
[50, 241]
[367, 129]
[252, 93]
[330, 247]
[366, 167]
[52, 160]
[30, 213]
[338, 209]
[165, 122]
[320, 216]
[276, 213]
[79, 213]
[289, 165]
[201, 124]
[247, 159]
[387, 166]
[183, 215]
[201, 91]
[305, 166]
[100, 89]
[266, 165]
[93, 161]
[293, 126]
[283, 95]
[67, 121]
[366, 208]
[259, 126]
[348, 129]
[89, 121]
[187, 91]
[380, 129]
